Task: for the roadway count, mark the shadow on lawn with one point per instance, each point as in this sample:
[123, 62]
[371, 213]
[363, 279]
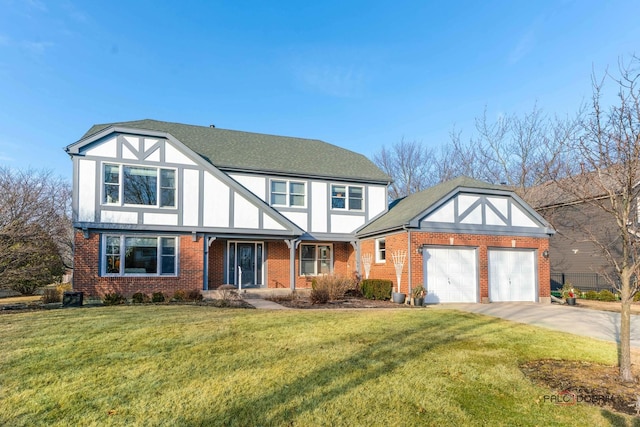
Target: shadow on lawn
[388, 353]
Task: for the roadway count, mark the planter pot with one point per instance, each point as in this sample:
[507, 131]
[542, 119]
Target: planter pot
[398, 297]
[571, 301]
[418, 302]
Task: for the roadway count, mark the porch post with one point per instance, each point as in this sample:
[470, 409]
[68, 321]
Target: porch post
[293, 245]
[207, 241]
[356, 248]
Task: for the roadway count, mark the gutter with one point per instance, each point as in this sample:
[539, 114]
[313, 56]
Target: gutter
[383, 231]
[409, 281]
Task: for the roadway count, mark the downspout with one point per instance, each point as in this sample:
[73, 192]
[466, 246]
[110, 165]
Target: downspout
[409, 281]
[205, 267]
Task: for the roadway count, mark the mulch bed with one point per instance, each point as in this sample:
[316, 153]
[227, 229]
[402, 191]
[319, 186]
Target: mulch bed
[26, 307]
[350, 302]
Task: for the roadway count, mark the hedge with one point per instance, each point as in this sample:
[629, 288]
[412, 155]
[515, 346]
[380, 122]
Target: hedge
[376, 288]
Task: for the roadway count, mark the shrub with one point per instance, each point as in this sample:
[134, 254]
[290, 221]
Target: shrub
[51, 295]
[228, 293]
[180, 295]
[114, 299]
[379, 289]
[336, 286]
[606, 295]
[157, 297]
[140, 298]
[591, 295]
[636, 297]
[319, 296]
[194, 295]
[63, 287]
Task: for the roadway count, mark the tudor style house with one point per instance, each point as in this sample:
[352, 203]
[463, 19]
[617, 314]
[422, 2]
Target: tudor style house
[161, 207]
[164, 206]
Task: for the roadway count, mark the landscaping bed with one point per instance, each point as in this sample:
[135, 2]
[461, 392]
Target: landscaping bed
[585, 382]
[304, 301]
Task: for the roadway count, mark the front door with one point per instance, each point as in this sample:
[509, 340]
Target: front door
[245, 263]
[246, 258]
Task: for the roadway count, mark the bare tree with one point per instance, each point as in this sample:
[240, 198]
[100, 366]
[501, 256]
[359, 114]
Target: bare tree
[409, 164]
[35, 229]
[518, 151]
[609, 153]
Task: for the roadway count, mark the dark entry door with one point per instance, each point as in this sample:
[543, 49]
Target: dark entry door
[247, 262]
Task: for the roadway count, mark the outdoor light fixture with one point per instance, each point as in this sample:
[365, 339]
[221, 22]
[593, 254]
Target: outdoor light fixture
[545, 253]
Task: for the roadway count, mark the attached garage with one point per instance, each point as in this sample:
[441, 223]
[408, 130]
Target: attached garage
[465, 241]
[512, 275]
[451, 274]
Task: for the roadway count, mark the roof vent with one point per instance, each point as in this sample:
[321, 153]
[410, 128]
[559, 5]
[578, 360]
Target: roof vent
[212, 126]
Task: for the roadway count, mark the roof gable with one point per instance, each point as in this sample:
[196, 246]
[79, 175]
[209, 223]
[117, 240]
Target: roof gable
[222, 195]
[245, 151]
[461, 205]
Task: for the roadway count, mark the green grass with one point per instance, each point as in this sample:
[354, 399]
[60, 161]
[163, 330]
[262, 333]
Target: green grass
[190, 365]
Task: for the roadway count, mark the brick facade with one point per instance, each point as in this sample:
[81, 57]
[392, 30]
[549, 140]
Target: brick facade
[398, 241]
[87, 277]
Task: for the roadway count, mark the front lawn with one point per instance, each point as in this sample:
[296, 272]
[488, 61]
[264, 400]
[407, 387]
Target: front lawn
[191, 365]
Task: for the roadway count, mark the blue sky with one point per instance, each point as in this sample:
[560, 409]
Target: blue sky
[358, 74]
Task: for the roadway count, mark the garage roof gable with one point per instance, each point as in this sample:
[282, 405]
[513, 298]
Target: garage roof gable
[462, 205]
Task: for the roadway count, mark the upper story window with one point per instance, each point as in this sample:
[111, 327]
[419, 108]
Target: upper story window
[381, 251]
[288, 193]
[139, 255]
[348, 197]
[139, 185]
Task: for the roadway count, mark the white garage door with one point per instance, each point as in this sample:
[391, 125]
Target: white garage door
[450, 274]
[512, 275]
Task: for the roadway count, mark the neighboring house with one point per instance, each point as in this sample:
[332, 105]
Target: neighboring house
[466, 241]
[164, 206]
[575, 256]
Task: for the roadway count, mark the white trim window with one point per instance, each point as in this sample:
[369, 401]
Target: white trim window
[381, 251]
[138, 255]
[316, 260]
[138, 185]
[288, 193]
[347, 197]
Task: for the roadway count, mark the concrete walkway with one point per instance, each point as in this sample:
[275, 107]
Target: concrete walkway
[265, 304]
[598, 324]
[256, 297]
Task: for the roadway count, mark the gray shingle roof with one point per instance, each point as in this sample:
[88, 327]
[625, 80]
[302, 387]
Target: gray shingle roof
[408, 208]
[228, 149]
[579, 188]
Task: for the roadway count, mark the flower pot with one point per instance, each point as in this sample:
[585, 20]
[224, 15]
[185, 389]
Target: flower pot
[418, 302]
[398, 297]
[571, 301]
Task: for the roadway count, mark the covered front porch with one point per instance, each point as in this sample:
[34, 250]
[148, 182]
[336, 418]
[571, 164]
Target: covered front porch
[268, 263]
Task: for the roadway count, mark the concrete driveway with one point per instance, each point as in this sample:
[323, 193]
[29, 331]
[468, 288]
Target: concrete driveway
[603, 325]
